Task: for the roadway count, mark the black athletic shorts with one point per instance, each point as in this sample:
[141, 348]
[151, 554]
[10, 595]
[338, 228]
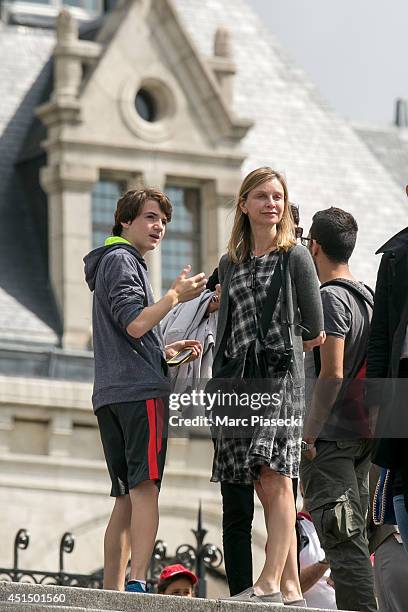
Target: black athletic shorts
[134, 440]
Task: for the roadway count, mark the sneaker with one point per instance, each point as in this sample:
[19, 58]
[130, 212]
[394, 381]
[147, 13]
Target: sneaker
[250, 595]
[135, 587]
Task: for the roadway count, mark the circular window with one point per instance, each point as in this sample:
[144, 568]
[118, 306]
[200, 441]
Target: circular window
[146, 105]
[148, 108]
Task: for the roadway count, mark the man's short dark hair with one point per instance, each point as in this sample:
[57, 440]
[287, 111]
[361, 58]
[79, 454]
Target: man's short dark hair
[336, 232]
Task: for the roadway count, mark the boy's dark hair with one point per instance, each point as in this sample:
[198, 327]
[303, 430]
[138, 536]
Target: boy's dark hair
[130, 205]
[164, 584]
[336, 232]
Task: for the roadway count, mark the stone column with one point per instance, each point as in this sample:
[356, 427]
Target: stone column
[217, 219]
[68, 187]
[6, 427]
[154, 263]
[59, 435]
[155, 179]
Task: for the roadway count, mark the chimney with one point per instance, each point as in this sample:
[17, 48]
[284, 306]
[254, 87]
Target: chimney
[401, 113]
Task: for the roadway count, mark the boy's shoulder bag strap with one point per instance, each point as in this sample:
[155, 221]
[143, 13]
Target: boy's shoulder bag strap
[278, 282]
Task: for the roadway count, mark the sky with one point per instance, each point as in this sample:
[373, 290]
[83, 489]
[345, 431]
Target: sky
[355, 51]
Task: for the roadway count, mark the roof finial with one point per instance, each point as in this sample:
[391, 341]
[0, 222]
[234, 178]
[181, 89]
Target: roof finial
[222, 43]
[222, 62]
[67, 63]
[67, 27]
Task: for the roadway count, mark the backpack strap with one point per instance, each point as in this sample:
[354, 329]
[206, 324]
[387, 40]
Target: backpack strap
[366, 295]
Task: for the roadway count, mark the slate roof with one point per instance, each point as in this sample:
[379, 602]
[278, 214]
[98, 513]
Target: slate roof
[390, 146]
[27, 310]
[325, 160]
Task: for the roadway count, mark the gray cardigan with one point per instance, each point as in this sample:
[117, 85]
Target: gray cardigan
[305, 313]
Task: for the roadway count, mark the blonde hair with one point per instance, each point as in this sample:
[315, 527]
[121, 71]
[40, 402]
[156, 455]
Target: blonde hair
[239, 245]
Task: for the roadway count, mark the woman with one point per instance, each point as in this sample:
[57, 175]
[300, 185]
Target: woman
[263, 229]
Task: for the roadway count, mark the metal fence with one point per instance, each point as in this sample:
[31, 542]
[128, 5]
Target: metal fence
[199, 558]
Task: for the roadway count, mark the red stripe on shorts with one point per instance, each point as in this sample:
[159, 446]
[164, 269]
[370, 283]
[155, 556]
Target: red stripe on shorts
[152, 448]
[160, 422]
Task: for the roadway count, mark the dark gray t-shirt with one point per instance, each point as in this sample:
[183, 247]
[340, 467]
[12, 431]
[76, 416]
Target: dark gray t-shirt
[347, 317]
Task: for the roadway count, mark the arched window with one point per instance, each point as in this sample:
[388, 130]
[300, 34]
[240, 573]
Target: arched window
[182, 242]
[44, 12]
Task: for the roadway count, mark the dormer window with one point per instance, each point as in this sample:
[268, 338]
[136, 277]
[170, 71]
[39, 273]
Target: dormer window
[44, 12]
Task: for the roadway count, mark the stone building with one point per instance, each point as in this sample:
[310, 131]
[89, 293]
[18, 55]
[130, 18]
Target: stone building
[92, 103]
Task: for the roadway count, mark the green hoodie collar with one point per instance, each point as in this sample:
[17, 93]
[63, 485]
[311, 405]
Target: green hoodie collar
[116, 240]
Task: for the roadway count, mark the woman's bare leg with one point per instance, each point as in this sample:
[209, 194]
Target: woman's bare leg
[277, 500]
[290, 584]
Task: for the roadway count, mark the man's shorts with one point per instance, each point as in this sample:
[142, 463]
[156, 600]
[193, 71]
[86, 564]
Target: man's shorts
[134, 440]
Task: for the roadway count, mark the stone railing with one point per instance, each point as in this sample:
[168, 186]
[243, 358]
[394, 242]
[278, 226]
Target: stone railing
[70, 599]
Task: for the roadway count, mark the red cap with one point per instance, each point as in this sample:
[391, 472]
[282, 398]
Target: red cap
[173, 570]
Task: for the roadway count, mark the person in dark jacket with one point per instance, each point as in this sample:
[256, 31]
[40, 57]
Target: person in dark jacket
[131, 384]
[388, 359]
[390, 559]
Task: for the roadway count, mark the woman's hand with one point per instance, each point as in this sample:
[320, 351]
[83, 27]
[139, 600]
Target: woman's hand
[175, 347]
[309, 345]
[215, 300]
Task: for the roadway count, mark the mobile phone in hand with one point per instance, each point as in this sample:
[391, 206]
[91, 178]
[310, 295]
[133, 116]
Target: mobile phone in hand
[180, 358]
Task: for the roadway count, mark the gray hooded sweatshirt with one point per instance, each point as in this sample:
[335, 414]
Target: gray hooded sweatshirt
[126, 368]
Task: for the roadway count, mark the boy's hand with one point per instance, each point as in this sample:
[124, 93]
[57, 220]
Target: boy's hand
[175, 347]
[309, 345]
[215, 300]
[186, 289]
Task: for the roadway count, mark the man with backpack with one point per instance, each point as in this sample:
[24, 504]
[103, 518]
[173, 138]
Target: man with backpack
[336, 451]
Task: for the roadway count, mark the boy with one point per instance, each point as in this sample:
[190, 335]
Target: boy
[176, 580]
[131, 384]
